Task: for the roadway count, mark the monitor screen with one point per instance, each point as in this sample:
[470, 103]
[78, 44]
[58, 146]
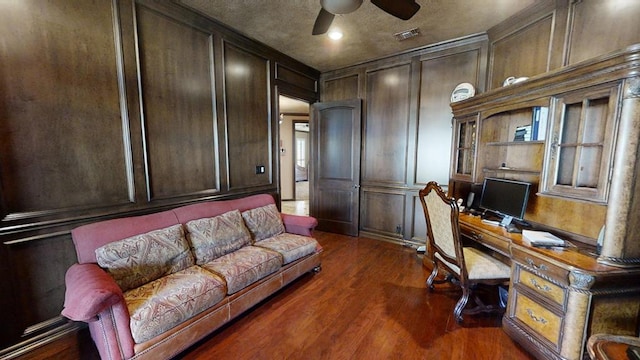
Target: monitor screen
[506, 197]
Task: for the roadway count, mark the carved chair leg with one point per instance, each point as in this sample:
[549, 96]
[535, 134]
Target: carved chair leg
[457, 311]
[432, 278]
[433, 275]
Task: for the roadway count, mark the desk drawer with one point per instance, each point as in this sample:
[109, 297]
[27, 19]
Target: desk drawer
[539, 266]
[541, 286]
[500, 245]
[542, 321]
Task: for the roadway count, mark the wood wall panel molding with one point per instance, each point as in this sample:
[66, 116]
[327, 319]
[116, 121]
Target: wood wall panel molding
[587, 19]
[439, 76]
[524, 52]
[386, 125]
[178, 103]
[419, 222]
[306, 82]
[249, 128]
[49, 167]
[383, 212]
[35, 280]
[341, 88]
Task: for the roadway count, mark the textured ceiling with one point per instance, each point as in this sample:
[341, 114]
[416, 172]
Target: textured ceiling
[285, 25]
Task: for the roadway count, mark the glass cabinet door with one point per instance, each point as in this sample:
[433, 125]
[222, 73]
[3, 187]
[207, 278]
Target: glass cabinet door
[465, 148]
[582, 144]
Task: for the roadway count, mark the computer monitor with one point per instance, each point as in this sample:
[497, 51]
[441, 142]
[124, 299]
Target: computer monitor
[507, 198]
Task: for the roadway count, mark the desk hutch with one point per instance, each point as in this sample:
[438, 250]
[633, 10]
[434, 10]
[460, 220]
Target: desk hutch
[584, 169]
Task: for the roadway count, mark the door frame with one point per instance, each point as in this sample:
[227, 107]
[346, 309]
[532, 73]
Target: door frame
[295, 151]
[287, 91]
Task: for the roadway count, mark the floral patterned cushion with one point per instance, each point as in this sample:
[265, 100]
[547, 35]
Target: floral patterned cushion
[245, 266]
[140, 259]
[263, 222]
[164, 303]
[292, 247]
[217, 236]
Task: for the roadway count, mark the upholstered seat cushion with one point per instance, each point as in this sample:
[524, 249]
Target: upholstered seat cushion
[480, 265]
[217, 236]
[166, 302]
[245, 266]
[292, 247]
[137, 260]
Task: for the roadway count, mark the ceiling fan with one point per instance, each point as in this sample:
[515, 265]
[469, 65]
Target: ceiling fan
[402, 9]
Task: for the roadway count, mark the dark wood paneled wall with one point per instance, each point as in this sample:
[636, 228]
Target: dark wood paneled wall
[248, 121]
[407, 120]
[387, 126]
[116, 108]
[178, 106]
[438, 73]
[599, 27]
[555, 33]
[545, 37]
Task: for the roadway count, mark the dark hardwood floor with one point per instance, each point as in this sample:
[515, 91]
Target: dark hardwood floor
[368, 302]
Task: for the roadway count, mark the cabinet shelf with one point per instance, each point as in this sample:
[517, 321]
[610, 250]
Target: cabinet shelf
[516, 143]
[511, 170]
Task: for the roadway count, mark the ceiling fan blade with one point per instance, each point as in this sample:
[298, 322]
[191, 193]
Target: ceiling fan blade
[402, 9]
[323, 22]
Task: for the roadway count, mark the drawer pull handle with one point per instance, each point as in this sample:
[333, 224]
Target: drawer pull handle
[476, 236]
[535, 318]
[541, 288]
[542, 267]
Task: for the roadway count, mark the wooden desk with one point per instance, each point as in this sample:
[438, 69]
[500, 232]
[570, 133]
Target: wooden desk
[558, 298]
[610, 347]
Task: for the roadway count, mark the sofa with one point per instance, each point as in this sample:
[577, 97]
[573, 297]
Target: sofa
[150, 286]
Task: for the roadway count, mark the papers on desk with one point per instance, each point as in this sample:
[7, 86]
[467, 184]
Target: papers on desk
[541, 238]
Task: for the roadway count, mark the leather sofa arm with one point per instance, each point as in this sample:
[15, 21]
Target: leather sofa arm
[90, 290]
[298, 224]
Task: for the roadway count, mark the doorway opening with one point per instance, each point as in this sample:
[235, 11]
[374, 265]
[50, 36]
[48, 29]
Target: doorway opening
[294, 155]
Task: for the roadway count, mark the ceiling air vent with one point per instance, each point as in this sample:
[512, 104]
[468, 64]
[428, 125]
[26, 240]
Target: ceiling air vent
[407, 34]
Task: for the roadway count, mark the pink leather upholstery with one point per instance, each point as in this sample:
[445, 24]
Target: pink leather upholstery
[93, 296]
[214, 208]
[301, 225]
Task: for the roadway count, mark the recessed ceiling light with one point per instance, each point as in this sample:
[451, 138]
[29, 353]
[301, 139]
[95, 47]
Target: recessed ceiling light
[335, 34]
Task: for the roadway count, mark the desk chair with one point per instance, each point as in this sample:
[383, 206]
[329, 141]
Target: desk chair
[466, 266]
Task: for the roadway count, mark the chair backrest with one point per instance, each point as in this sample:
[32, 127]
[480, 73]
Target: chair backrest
[441, 214]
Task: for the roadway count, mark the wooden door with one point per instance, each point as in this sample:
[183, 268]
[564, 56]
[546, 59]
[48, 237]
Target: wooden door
[335, 171]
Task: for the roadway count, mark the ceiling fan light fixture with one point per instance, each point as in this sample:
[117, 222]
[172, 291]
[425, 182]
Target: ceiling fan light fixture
[335, 34]
[340, 6]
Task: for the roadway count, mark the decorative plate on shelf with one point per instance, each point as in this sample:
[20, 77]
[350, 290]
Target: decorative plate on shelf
[462, 91]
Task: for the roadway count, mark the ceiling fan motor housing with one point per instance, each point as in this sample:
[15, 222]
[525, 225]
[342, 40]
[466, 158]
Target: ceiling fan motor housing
[340, 6]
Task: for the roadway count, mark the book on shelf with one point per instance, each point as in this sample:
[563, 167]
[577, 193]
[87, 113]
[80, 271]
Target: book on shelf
[541, 238]
[539, 119]
[522, 133]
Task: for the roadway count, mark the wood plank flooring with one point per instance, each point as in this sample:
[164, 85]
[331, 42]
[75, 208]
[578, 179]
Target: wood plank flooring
[368, 302]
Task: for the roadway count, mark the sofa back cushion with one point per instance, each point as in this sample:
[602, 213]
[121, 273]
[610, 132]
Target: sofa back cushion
[208, 209]
[264, 222]
[87, 238]
[214, 237]
[140, 259]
